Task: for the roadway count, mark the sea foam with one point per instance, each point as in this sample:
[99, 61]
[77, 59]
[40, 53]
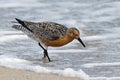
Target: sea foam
[91, 65]
[14, 62]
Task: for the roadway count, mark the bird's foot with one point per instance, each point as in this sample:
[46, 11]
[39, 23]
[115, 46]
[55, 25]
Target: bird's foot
[45, 59]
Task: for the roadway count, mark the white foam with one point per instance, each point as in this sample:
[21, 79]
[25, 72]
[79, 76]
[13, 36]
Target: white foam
[102, 37]
[70, 72]
[91, 65]
[69, 51]
[14, 62]
[93, 38]
[10, 32]
[104, 78]
[10, 38]
[21, 3]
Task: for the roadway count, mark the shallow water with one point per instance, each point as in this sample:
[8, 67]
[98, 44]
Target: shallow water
[98, 21]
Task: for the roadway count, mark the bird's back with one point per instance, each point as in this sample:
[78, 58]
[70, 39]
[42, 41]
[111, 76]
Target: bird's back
[45, 30]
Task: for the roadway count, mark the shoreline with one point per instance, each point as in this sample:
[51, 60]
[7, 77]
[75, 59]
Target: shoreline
[17, 74]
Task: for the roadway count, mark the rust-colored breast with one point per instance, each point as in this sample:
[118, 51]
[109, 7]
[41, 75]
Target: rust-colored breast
[57, 43]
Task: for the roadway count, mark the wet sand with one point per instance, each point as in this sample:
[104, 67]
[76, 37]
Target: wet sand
[15, 74]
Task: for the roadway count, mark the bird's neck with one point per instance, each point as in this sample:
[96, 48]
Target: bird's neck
[68, 39]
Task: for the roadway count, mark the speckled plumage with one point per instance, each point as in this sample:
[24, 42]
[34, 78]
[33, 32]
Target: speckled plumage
[48, 33]
[45, 30]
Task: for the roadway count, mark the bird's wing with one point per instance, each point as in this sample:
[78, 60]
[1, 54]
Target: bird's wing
[50, 31]
[45, 30]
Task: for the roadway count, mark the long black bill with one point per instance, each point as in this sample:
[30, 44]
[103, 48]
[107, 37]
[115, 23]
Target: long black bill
[81, 42]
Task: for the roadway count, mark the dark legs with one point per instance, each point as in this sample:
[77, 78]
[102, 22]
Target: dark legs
[45, 52]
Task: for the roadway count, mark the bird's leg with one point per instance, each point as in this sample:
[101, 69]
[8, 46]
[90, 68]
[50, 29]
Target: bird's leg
[43, 49]
[44, 55]
[45, 52]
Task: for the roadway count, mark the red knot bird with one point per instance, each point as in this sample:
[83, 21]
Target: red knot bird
[48, 34]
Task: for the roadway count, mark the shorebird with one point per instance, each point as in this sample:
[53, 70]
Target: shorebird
[48, 34]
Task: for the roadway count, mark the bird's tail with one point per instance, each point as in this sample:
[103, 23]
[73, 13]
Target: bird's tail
[23, 24]
[18, 27]
[21, 28]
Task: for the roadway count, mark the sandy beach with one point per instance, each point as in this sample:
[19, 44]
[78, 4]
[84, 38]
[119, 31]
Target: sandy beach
[15, 74]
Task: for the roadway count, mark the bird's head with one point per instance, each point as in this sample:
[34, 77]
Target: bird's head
[74, 33]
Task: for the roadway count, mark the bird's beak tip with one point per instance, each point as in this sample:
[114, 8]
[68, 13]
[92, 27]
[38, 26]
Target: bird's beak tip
[81, 42]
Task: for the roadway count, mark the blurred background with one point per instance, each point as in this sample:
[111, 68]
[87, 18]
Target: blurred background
[97, 20]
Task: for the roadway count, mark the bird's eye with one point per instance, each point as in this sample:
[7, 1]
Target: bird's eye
[71, 33]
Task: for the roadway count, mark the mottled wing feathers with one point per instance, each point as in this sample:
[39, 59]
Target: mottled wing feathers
[51, 31]
[45, 30]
